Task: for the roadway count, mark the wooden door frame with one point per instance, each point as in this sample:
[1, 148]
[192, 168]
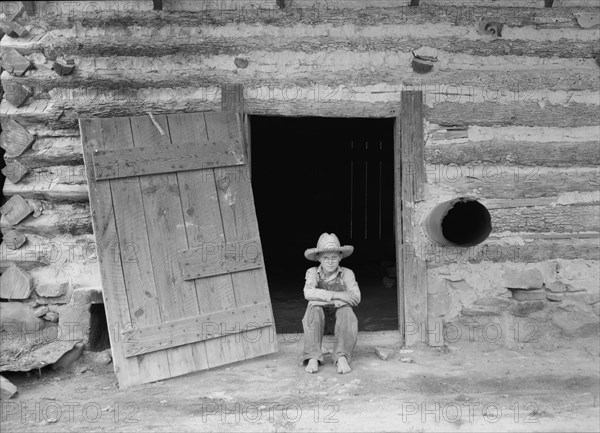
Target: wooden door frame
[409, 180]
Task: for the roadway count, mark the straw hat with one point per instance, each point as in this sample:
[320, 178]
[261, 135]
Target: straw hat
[328, 243]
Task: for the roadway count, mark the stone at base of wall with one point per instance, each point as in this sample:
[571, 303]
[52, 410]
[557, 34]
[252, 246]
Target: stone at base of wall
[528, 295]
[74, 317]
[526, 308]
[570, 324]
[65, 361]
[19, 317]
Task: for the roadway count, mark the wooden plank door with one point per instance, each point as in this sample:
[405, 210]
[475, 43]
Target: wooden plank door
[184, 284]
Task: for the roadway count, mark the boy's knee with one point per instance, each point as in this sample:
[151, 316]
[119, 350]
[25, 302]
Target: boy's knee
[346, 310]
[313, 313]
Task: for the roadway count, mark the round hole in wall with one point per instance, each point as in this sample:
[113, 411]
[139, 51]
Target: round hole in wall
[461, 222]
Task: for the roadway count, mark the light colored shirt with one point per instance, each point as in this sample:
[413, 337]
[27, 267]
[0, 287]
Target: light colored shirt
[317, 296]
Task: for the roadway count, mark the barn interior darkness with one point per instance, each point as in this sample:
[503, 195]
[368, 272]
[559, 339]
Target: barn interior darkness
[312, 175]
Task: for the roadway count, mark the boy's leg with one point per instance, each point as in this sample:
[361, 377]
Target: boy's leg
[346, 333]
[313, 324]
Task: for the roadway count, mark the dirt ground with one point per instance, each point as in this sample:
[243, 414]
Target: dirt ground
[464, 387]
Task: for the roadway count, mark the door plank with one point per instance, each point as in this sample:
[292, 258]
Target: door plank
[135, 250]
[220, 258]
[109, 257]
[204, 226]
[193, 155]
[194, 329]
[166, 234]
[240, 223]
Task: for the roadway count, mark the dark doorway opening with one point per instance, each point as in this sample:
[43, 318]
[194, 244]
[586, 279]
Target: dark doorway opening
[98, 339]
[312, 175]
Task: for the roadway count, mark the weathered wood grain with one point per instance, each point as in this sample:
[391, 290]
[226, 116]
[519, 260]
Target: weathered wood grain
[15, 171]
[59, 251]
[145, 160]
[513, 181]
[317, 13]
[99, 74]
[14, 93]
[558, 219]
[236, 202]
[15, 209]
[109, 257]
[551, 154]
[39, 112]
[398, 225]
[135, 250]
[195, 329]
[14, 138]
[531, 251]
[47, 190]
[13, 62]
[203, 227]
[414, 281]
[166, 233]
[57, 219]
[55, 151]
[514, 3]
[15, 283]
[525, 114]
[483, 114]
[13, 239]
[213, 46]
[249, 6]
[217, 259]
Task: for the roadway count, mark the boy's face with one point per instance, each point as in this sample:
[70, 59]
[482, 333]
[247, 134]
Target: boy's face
[330, 261]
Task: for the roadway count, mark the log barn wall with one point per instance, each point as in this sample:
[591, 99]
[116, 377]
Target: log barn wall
[510, 119]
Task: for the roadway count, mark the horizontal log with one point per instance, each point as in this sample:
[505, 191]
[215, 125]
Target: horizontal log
[58, 193]
[111, 45]
[558, 219]
[447, 84]
[63, 114]
[334, 103]
[522, 153]
[82, 9]
[27, 265]
[57, 174]
[37, 113]
[526, 114]
[86, 102]
[563, 200]
[57, 183]
[249, 5]
[531, 251]
[53, 151]
[514, 3]
[56, 220]
[512, 181]
[63, 259]
[315, 13]
[56, 251]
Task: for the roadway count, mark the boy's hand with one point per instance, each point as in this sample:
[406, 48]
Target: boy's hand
[347, 297]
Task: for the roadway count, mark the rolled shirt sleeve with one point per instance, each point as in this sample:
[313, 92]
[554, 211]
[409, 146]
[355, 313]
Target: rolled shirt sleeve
[311, 293]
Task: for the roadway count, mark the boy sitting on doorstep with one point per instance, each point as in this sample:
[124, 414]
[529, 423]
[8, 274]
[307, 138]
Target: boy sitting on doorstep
[331, 291]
